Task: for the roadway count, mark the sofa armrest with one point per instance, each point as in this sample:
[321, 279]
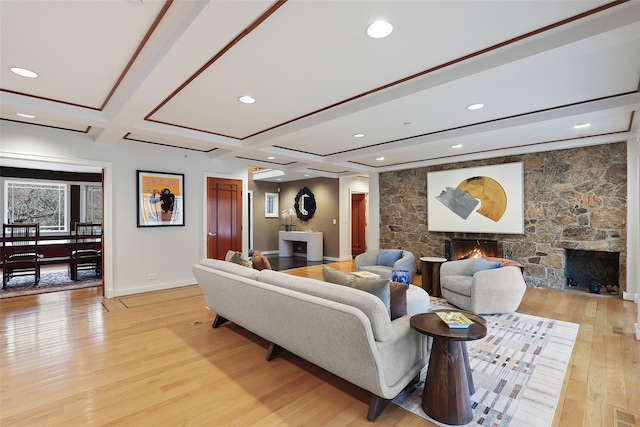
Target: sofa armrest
[366, 258]
[403, 356]
[497, 290]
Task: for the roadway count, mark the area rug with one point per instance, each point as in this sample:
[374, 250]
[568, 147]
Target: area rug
[518, 370]
[50, 281]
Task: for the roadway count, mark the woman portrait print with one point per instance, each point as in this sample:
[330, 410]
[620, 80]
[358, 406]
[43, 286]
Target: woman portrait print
[161, 200]
[166, 199]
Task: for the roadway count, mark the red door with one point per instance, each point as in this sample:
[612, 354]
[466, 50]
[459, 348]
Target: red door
[224, 216]
[358, 224]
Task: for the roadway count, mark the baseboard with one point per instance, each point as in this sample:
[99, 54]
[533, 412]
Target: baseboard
[629, 297]
[334, 259]
[151, 288]
[637, 326]
[268, 252]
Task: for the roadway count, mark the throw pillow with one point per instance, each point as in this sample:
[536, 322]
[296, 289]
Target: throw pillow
[377, 287]
[238, 258]
[260, 262]
[398, 299]
[388, 257]
[504, 262]
[482, 264]
[337, 277]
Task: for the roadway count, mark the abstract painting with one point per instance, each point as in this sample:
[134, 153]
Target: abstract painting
[486, 199]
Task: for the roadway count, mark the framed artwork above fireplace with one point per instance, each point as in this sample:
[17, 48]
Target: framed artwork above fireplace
[486, 199]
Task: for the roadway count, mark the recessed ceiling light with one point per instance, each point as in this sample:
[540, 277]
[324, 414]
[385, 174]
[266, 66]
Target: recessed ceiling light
[26, 116]
[24, 72]
[306, 174]
[475, 106]
[582, 126]
[246, 99]
[381, 158]
[271, 158]
[456, 146]
[379, 29]
[358, 135]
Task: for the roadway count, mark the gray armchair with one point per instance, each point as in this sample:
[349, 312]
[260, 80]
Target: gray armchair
[368, 261]
[499, 290]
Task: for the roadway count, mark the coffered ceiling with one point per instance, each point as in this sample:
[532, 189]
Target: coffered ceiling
[171, 73]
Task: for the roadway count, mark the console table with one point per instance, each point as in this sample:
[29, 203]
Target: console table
[313, 239]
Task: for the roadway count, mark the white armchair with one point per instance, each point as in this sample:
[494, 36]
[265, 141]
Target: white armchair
[368, 261]
[498, 290]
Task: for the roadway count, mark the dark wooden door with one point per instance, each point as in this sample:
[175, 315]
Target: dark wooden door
[224, 216]
[358, 224]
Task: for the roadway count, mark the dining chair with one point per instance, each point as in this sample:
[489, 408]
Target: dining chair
[20, 255]
[85, 250]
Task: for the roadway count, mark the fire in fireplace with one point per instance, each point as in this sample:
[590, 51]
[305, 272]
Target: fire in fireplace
[462, 249]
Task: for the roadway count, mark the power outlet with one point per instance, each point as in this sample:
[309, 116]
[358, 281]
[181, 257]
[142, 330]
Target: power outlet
[153, 276]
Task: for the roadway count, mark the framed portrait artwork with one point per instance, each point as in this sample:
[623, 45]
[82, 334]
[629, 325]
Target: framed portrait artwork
[160, 199]
[271, 205]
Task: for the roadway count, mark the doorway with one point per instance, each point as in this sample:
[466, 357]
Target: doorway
[224, 216]
[358, 223]
[62, 165]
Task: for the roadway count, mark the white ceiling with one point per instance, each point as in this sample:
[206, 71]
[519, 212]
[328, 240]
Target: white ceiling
[171, 72]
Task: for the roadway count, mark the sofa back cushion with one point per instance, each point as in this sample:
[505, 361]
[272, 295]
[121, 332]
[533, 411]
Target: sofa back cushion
[369, 304]
[230, 267]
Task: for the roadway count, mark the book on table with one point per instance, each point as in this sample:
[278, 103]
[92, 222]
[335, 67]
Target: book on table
[366, 274]
[455, 319]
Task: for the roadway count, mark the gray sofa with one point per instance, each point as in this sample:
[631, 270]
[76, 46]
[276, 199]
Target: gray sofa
[498, 290]
[368, 261]
[345, 331]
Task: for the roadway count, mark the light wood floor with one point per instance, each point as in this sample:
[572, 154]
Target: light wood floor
[75, 359]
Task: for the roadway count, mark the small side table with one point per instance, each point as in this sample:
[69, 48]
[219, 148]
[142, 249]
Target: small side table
[431, 274]
[449, 384]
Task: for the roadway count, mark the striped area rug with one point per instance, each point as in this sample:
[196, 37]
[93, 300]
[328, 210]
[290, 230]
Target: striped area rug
[518, 370]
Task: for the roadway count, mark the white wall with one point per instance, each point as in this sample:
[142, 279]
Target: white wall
[132, 253]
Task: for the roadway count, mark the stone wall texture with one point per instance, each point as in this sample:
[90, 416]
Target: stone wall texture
[573, 199]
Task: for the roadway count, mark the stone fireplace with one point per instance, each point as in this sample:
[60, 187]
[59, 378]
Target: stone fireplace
[462, 248]
[575, 198]
[593, 270]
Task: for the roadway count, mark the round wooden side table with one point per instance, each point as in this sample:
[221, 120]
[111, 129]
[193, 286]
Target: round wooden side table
[449, 384]
[430, 269]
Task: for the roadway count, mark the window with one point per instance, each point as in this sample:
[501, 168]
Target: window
[33, 201]
[93, 204]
